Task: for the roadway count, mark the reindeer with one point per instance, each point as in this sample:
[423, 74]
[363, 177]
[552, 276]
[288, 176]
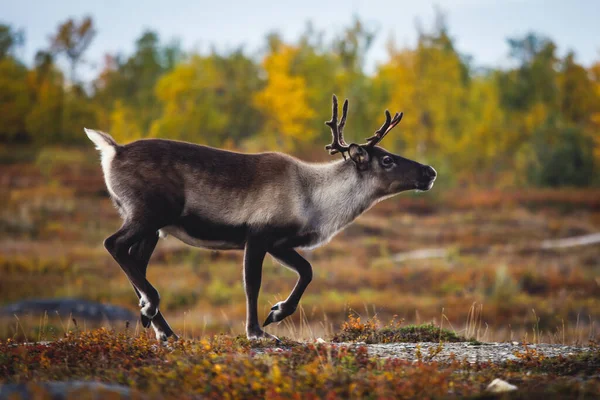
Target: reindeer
[260, 203]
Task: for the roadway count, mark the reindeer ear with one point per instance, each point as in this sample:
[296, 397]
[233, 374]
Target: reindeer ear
[359, 155]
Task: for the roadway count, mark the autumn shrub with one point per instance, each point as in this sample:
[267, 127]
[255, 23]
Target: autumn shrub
[233, 367]
[218, 367]
[353, 330]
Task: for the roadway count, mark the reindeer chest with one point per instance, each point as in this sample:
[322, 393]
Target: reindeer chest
[312, 234]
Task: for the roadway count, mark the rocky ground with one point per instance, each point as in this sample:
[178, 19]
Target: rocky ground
[472, 352]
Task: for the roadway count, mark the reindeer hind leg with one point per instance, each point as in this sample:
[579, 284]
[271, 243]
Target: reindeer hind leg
[118, 245]
[142, 251]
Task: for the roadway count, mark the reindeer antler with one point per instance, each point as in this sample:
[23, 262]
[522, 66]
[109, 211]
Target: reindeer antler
[387, 126]
[338, 145]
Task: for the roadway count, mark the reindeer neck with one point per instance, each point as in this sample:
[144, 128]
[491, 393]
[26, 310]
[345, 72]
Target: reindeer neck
[339, 193]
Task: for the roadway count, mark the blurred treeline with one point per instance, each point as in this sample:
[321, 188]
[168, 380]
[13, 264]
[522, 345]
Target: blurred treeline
[537, 122]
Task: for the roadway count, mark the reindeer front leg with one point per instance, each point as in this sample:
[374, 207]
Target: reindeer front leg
[291, 259]
[254, 255]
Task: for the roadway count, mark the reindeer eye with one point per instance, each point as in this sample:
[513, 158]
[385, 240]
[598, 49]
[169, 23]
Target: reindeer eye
[387, 161]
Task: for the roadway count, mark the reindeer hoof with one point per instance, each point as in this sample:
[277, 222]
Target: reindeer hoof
[260, 334]
[162, 336]
[278, 312]
[270, 319]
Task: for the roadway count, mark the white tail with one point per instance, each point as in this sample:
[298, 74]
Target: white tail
[108, 148]
[103, 141]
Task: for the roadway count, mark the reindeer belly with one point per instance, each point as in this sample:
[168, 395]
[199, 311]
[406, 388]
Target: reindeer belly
[199, 232]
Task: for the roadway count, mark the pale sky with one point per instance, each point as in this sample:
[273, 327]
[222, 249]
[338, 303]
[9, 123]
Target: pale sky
[479, 27]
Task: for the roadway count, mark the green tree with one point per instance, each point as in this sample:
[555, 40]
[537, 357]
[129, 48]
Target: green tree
[72, 39]
[350, 49]
[535, 79]
[10, 40]
[319, 68]
[78, 111]
[594, 73]
[132, 82]
[579, 99]
[428, 84]
[484, 142]
[15, 101]
[562, 156]
[44, 121]
[327, 67]
[208, 99]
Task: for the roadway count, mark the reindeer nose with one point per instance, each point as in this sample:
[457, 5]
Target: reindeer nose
[429, 172]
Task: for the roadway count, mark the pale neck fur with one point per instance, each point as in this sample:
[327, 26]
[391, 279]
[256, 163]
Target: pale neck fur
[338, 194]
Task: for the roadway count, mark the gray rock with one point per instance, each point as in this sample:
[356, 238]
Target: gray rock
[65, 307]
[67, 390]
[500, 386]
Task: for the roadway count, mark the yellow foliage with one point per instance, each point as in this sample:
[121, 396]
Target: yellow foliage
[483, 127]
[276, 373]
[535, 117]
[284, 100]
[191, 109]
[44, 119]
[399, 76]
[123, 124]
[427, 85]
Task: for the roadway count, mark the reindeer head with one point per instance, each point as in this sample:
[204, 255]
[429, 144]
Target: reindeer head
[392, 173]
